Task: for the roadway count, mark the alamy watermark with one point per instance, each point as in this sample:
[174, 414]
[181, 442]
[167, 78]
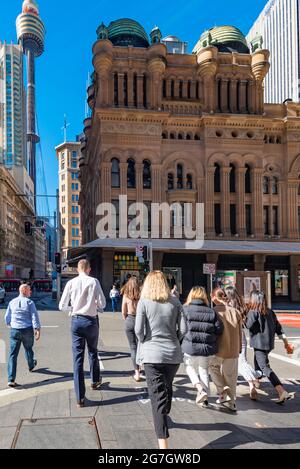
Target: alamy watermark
[154, 220]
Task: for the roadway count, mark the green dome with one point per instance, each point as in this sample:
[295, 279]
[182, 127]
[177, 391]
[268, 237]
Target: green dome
[226, 39]
[127, 32]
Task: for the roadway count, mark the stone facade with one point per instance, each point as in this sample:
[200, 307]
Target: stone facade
[198, 124]
[17, 249]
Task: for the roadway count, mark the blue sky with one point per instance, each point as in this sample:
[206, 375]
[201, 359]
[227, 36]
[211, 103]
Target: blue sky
[62, 70]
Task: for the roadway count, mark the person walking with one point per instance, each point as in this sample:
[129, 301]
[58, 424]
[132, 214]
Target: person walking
[131, 296]
[200, 343]
[244, 368]
[84, 295]
[160, 326]
[224, 365]
[114, 296]
[23, 319]
[263, 325]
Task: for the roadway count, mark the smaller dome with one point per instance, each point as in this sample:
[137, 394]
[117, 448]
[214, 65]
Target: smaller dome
[171, 39]
[225, 38]
[127, 32]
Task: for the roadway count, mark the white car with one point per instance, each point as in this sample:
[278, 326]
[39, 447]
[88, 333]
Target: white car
[2, 294]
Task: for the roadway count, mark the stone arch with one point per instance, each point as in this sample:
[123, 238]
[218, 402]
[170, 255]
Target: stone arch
[114, 153]
[150, 155]
[294, 169]
[217, 158]
[191, 162]
[252, 160]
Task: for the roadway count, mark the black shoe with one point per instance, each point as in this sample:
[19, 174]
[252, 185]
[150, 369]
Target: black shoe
[204, 404]
[34, 365]
[80, 403]
[95, 386]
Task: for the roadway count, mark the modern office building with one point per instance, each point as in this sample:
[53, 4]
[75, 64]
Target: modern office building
[279, 26]
[68, 155]
[192, 128]
[12, 107]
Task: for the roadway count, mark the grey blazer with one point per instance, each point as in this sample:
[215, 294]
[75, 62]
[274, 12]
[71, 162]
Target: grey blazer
[160, 327]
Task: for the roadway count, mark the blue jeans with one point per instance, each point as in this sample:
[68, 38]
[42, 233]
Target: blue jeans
[114, 304]
[18, 337]
[85, 330]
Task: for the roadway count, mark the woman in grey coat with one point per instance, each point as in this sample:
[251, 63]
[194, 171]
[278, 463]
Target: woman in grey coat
[160, 326]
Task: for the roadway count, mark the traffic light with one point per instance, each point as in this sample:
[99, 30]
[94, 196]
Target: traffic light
[145, 253]
[28, 228]
[57, 260]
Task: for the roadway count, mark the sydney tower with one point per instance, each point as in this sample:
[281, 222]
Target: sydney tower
[31, 34]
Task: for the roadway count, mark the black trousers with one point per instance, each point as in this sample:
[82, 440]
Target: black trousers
[132, 338]
[160, 389]
[261, 363]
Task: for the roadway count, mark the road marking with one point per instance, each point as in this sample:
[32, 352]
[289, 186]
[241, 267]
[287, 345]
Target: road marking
[285, 359]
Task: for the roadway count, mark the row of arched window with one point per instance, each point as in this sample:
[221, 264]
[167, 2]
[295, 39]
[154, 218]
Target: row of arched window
[270, 184]
[177, 89]
[131, 174]
[123, 87]
[180, 136]
[272, 139]
[180, 180]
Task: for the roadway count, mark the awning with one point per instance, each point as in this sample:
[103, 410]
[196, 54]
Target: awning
[223, 246]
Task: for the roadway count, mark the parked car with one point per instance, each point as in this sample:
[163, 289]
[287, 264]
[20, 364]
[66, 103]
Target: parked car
[2, 293]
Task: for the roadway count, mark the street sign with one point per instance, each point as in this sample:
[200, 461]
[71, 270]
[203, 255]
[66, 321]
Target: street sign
[209, 269]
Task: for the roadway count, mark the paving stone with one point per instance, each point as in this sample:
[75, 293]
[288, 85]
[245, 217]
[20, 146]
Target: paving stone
[136, 440]
[6, 437]
[12, 414]
[104, 426]
[52, 405]
[110, 444]
[69, 433]
[130, 422]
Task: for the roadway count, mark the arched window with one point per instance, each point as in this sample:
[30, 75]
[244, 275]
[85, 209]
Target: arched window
[172, 136]
[189, 181]
[172, 89]
[135, 100]
[116, 90]
[180, 89]
[232, 178]
[197, 137]
[248, 179]
[125, 90]
[146, 174]
[180, 136]
[115, 173]
[275, 186]
[266, 182]
[170, 182]
[189, 89]
[179, 176]
[188, 137]
[217, 178]
[164, 88]
[131, 174]
[164, 135]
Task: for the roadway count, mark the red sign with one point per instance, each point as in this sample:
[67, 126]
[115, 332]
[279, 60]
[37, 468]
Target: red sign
[209, 269]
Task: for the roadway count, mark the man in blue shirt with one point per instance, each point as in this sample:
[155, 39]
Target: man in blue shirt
[23, 319]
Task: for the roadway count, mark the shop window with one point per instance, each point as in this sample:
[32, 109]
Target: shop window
[281, 278]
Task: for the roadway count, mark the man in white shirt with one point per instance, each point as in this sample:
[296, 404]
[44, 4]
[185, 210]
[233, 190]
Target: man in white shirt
[82, 297]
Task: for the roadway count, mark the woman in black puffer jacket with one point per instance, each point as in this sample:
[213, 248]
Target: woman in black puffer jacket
[200, 342]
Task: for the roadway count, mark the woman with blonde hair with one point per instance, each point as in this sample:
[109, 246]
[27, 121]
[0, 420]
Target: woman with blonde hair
[224, 365]
[160, 326]
[204, 326]
[131, 296]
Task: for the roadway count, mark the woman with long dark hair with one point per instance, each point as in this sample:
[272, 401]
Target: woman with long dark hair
[263, 325]
[131, 296]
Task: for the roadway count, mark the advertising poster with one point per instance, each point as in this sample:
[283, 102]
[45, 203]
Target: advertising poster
[251, 284]
[225, 278]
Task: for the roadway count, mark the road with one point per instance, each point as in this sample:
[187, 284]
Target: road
[124, 408]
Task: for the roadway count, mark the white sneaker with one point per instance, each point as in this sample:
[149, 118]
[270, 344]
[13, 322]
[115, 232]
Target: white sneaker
[285, 396]
[201, 397]
[231, 406]
[223, 398]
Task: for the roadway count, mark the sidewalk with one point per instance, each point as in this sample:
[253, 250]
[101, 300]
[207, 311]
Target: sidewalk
[119, 415]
